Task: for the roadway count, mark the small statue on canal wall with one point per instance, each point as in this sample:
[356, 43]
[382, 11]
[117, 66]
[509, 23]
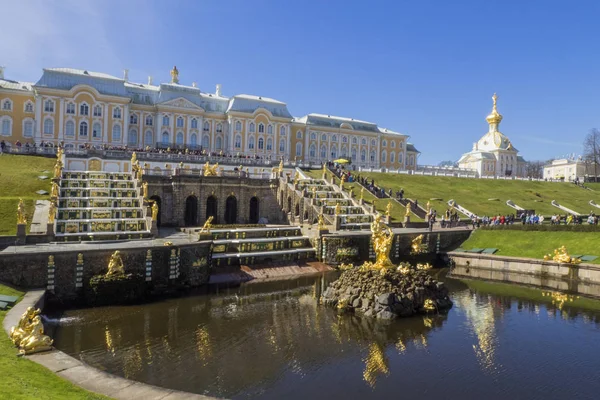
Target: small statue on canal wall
[28, 335]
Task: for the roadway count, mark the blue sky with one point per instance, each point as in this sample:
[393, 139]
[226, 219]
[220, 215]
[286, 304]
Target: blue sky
[424, 68]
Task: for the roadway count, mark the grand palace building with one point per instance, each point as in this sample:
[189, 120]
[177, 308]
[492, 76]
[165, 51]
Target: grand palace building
[81, 108]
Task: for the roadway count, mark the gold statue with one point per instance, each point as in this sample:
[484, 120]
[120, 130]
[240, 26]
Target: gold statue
[338, 209]
[320, 222]
[207, 225]
[314, 192]
[343, 180]
[115, 265]
[560, 255]
[407, 209]
[388, 208]
[21, 217]
[59, 153]
[154, 211]
[35, 341]
[51, 212]
[54, 191]
[17, 333]
[281, 166]
[58, 169]
[428, 206]
[174, 75]
[324, 168]
[417, 246]
[210, 170]
[382, 238]
[145, 190]
[362, 192]
[134, 158]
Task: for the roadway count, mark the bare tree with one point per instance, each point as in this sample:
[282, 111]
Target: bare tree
[534, 169]
[591, 149]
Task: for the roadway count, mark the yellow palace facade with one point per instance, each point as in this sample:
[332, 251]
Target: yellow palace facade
[84, 108]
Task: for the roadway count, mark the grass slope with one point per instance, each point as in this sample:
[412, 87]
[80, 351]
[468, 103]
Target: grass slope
[24, 379]
[19, 177]
[473, 194]
[534, 244]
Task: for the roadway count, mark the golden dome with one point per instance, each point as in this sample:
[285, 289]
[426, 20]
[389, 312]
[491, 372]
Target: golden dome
[495, 117]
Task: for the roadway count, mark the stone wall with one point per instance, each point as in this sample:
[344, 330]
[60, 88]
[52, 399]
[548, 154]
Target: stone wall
[174, 191]
[31, 270]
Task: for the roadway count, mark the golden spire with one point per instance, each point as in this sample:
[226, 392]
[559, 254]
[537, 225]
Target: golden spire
[495, 117]
[174, 75]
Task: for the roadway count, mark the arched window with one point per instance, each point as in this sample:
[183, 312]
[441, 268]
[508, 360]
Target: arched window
[83, 129]
[373, 143]
[393, 144]
[334, 138]
[334, 152]
[165, 138]
[97, 111]
[354, 140]
[133, 137]
[117, 113]
[219, 128]
[344, 139]
[252, 127]
[148, 138]
[353, 154]
[28, 128]
[282, 131]
[282, 145]
[261, 144]
[69, 129]
[384, 156]
[238, 126]
[238, 141]
[219, 143]
[116, 133]
[400, 158]
[298, 149]
[84, 109]
[363, 155]
[180, 122]
[149, 120]
[194, 123]
[312, 151]
[323, 152]
[96, 130]
[206, 126]
[48, 126]
[70, 108]
[194, 139]
[299, 135]
[261, 128]
[323, 138]
[392, 156]
[251, 143]
[344, 151]
[166, 120]
[363, 141]
[29, 107]
[372, 156]
[269, 129]
[401, 145]
[313, 136]
[205, 142]
[6, 126]
[179, 139]
[384, 143]
[269, 144]
[49, 106]
[133, 119]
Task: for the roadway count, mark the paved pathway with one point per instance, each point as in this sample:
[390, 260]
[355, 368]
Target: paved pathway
[39, 222]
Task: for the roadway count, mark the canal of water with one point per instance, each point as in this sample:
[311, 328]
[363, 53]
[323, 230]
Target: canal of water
[272, 340]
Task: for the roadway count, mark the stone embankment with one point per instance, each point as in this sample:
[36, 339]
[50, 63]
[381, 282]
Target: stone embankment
[387, 296]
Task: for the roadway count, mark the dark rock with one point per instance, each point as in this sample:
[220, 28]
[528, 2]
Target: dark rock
[386, 299]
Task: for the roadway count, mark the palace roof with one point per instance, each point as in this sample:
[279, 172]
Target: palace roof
[14, 85]
[411, 147]
[249, 104]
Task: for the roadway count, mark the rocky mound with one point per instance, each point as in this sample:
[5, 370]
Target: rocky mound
[387, 296]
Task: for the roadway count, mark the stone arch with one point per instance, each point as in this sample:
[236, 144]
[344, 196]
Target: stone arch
[254, 214]
[297, 210]
[231, 210]
[305, 215]
[211, 208]
[289, 204]
[158, 201]
[191, 211]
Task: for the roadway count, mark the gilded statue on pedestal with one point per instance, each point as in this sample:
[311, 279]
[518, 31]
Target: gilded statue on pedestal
[428, 206]
[324, 168]
[338, 209]
[54, 190]
[21, 217]
[314, 192]
[382, 238]
[115, 265]
[174, 75]
[154, 211]
[207, 225]
[58, 169]
[145, 190]
[362, 192]
[388, 208]
[560, 255]
[407, 209]
[52, 212]
[281, 166]
[417, 246]
[210, 170]
[133, 158]
[320, 222]
[28, 335]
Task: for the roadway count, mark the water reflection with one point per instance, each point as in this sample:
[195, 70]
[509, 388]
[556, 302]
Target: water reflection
[273, 340]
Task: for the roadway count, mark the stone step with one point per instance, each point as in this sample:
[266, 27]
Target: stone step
[263, 253]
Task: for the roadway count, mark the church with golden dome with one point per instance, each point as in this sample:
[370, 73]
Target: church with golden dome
[494, 154]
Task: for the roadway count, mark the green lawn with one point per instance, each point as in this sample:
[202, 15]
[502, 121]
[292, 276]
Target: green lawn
[24, 379]
[19, 177]
[397, 213]
[474, 194]
[535, 244]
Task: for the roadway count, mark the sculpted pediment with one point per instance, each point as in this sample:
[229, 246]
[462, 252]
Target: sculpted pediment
[182, 103]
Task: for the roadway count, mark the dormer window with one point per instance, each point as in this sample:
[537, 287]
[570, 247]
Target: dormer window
[97, 111]
[117, 113]
[84, 109]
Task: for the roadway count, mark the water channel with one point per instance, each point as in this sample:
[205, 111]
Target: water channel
[272, 340]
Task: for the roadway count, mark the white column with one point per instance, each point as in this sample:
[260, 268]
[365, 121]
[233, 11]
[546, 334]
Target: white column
[305, 150]
[288, 150]
[157, 124]
[125, 135]
[140, 128]
[38, 118]
[61, 119]
[105, 110]
[172, 121]
[187, 130]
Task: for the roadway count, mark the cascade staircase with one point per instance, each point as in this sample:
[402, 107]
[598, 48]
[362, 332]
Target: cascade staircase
[100, 205]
